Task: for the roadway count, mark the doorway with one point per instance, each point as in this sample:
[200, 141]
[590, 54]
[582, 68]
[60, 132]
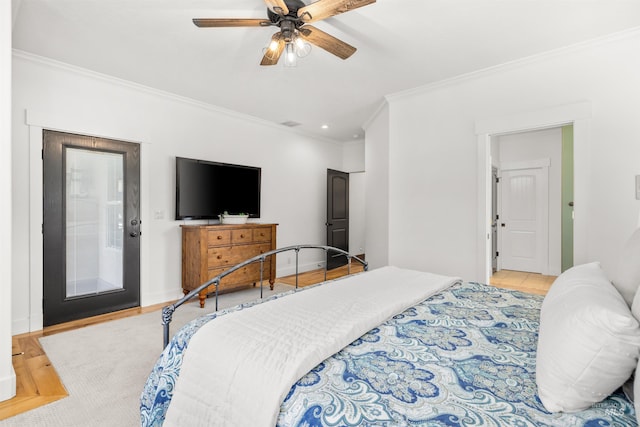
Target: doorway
[91, 226]
[535, 169]
[578, 115]
[337, 216]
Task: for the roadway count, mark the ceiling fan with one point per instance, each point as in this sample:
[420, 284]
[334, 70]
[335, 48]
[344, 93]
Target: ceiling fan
[293, 18]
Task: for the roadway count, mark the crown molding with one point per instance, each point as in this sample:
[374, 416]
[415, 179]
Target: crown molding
[518, 63]
[381, 106]
[42, 60]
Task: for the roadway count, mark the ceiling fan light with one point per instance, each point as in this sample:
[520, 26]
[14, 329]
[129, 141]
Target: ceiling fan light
[273, 46]
[268, 53]
[290, 57]
[302, 48]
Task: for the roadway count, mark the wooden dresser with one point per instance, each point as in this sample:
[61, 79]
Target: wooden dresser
[208, 250]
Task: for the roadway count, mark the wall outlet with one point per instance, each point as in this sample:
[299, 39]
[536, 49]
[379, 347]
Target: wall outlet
[158, 214]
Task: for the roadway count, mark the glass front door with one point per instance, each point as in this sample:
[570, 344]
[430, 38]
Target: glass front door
[91, 227]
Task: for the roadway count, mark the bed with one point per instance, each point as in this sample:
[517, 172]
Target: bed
[456, 354]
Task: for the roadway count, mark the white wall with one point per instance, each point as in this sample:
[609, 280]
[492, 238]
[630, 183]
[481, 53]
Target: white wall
[353, 156]
[7, 375]
[353, 162]
[536, 145]
[60, 97]
[377, 188]
[435, 154]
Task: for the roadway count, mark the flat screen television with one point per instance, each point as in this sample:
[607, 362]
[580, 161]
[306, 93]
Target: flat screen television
[206, 189]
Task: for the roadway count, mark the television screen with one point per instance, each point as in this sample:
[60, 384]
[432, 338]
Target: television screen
[205, 189]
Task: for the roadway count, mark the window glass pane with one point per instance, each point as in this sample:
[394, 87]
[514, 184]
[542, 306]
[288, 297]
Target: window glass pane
[94, 221]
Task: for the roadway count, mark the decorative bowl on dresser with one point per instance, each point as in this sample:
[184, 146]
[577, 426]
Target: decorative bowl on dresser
[208, 250]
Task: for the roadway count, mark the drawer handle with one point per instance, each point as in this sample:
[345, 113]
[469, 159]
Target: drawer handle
[219, 256]
[242, 236]
[219, 237]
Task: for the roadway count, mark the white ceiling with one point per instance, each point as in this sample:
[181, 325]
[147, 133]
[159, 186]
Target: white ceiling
[402, 44]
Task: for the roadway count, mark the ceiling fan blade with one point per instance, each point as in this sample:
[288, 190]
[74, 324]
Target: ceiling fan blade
[277, 6]
[230, 22]
[325, 8]
[327, 42]
[273, 52]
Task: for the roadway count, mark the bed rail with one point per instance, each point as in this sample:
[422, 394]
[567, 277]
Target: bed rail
[167, 311]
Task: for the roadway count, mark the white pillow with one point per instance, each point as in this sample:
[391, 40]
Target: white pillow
[588, 343]
[626, 276]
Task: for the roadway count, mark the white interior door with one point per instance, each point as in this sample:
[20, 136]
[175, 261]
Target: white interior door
[524, 221]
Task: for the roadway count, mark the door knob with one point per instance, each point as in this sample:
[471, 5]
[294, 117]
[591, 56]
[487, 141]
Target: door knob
[133, 234]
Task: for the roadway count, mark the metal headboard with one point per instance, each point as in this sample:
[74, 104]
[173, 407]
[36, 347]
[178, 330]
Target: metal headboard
[167, 311]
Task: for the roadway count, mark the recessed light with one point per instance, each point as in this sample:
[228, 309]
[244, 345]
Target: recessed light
[356, 136]
[325, 126]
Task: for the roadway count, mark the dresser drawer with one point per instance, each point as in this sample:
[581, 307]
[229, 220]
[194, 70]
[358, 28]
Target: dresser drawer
[232, 255]
[218, 237]
[241, 236]
[262, 234]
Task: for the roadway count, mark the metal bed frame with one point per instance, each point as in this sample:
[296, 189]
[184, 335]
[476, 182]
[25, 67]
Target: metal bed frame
[167, 311]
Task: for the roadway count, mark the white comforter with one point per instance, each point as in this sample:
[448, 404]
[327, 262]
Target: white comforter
[239, 367]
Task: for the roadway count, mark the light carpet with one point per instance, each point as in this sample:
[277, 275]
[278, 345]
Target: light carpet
[104, 366]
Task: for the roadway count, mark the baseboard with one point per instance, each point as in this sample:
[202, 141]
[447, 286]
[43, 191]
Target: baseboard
[160, 297]
[20, 326]
[8, 386]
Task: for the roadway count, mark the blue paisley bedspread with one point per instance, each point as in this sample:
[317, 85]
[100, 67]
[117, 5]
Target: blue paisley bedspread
[464, 357]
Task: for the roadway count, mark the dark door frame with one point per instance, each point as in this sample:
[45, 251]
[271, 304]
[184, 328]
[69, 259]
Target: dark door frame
[494, 218]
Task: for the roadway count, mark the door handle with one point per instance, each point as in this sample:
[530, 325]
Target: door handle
[135, 224]
[503, 225]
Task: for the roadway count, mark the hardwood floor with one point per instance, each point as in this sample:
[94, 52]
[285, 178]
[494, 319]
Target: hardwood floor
[527, 282]
[38, 384]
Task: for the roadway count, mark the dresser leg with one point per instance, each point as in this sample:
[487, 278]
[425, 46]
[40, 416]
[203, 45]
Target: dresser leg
[271, 282]
[202, 296]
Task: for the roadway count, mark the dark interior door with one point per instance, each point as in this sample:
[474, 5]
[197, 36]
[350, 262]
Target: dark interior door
[337, 216]
[91, 226]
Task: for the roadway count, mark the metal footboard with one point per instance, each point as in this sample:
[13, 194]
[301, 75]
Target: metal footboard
[167, 311]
